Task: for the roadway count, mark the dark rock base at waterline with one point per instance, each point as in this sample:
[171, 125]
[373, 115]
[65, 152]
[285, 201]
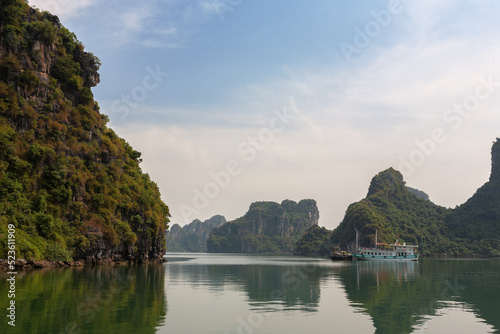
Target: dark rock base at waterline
[22, 264]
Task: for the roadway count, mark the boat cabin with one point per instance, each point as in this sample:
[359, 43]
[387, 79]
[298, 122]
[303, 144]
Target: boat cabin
[388, 251]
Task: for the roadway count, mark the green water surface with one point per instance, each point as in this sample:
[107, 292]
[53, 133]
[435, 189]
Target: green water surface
[225, 293]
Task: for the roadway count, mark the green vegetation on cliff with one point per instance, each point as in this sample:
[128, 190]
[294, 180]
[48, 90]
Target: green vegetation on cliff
[192, 237]
[476, 223]
[69, 184]
[472, 229]
[267, 227]
[314, 242]
[393, 210]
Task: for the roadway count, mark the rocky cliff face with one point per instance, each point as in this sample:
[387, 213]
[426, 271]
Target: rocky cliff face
[72, 188]
[192, 237]
[33, 60]
[495, 161]
[267, 227]
[477, 221]
[418, 193]
[392, 210]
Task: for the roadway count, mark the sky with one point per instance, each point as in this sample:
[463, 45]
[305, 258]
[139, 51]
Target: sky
[237, 101]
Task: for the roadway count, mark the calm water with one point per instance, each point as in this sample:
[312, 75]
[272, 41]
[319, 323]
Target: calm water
[225, 294]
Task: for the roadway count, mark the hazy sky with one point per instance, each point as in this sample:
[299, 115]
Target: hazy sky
[236, 101]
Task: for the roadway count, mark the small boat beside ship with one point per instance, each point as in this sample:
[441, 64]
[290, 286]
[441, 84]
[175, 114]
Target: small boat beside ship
[340, 255]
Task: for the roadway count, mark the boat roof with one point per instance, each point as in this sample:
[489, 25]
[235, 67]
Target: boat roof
[397, 245]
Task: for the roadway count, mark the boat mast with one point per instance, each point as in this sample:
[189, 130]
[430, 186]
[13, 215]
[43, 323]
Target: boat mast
[376, 238]
[357, 239]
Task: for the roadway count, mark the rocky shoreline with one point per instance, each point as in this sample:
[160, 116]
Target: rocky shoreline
[22, 264]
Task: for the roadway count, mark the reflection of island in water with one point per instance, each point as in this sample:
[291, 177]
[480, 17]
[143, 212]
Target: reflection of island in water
[269, 287]
[89, 300]
[387, 291]
[401, 296]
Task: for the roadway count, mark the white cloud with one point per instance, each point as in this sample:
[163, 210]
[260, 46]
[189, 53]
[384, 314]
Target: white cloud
[153, 24]
[63, 8]
[134, 19]
[353, 122]
[211, 7]
[164, 37]
[157, 24]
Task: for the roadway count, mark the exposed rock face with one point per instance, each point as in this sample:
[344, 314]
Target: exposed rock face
[267, 227]
[418, 193]
[192, 237]
[41, 58]
[495, 161]
[477, 221]
[72, 188]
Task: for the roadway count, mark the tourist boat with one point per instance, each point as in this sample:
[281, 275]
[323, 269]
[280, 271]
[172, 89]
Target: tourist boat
[386, 252]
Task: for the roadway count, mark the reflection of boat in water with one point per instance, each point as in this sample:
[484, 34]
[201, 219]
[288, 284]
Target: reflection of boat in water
[388, 268]
[388, 252]
[386, 271]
